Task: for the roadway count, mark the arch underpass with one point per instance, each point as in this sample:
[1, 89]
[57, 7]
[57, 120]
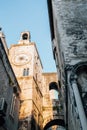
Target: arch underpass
[59, 122]
[53, 114]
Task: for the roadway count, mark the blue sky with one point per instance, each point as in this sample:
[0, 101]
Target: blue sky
[17, 16]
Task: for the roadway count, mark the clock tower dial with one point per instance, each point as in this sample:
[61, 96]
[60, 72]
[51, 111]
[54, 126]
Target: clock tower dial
[21, 59]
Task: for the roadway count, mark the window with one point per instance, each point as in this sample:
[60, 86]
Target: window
[12, 105]
[53, 94]
[26, 72]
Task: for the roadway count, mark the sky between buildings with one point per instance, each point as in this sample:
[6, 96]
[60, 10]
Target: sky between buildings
[17, 16]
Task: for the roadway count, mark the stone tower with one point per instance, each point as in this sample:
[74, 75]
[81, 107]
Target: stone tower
[27, 67]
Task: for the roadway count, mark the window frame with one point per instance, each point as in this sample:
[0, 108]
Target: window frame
[12, 107]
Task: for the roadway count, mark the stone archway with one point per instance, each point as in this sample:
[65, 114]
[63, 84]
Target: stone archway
[53, 85]
[59, 122]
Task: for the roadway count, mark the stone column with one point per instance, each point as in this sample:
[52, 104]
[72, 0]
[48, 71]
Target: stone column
[81, 112]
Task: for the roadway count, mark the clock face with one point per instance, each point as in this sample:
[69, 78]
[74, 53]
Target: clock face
[21, 59]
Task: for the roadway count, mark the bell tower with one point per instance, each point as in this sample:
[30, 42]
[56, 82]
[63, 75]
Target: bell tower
[25, 37]
[27, 67]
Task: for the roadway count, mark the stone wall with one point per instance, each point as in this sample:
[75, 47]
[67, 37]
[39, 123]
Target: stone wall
[72, 29]
[7, 84]
[69, 43]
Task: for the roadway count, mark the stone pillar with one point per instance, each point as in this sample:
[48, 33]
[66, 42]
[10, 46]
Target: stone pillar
[79, 105]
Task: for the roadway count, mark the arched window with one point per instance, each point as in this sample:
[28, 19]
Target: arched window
[53, 90]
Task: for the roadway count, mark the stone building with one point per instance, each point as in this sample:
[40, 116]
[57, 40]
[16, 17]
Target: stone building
[27, 67]
[49, 96]
[37, 97]
[27, 94]
[68, 24]
[52, 111]
[9, 91]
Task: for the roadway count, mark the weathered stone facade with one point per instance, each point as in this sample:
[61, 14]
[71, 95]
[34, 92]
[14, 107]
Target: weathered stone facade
[9, 91]
[68, 33]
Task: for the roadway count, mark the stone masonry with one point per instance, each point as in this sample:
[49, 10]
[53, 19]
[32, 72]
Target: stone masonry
[9, 91]
[68, 23]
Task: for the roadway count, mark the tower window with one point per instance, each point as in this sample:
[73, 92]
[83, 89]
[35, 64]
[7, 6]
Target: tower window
[26, 72]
